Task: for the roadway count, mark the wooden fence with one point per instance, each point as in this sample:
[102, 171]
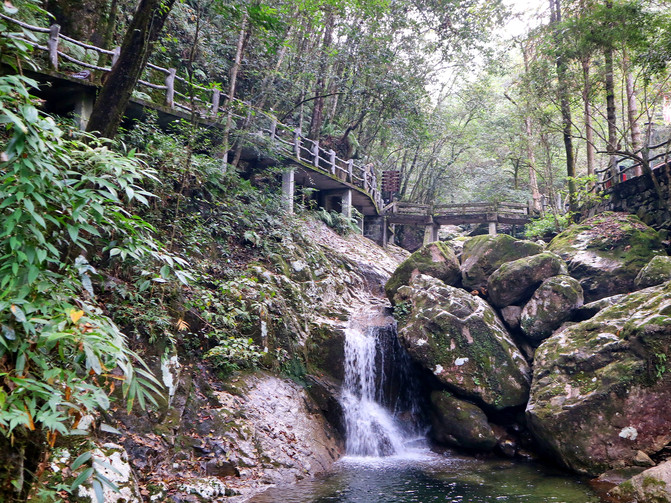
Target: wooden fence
[260, 125]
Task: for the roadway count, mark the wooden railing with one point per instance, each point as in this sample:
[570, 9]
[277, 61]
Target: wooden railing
[259, 124]
[453, 210]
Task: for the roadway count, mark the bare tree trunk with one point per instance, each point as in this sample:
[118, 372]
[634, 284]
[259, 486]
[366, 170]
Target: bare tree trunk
[611, 116]
[632, 110]
[533, 180]
[320, 85]
[122, 79]
[231, 90]
[589, 126]
[555, 9]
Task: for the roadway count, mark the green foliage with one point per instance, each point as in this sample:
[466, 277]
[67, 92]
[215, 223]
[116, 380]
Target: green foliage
[65, 204]
[547, 226]
[337, 221]
[235, 353]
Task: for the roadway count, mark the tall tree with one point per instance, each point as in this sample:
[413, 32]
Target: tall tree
[121, 80]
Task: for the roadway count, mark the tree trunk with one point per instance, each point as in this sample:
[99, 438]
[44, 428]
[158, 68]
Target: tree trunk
[232, 82]
[122, 79]
[632, 111]
[589, 126]
[611, 117]
[320, 85]
[533, 180]
[555, 9]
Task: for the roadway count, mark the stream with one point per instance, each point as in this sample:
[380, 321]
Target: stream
[388, 459]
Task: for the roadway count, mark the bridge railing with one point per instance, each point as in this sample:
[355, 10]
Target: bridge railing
[501, 208]
[256, 123]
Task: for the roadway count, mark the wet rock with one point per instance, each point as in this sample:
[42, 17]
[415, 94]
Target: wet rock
[325, 392]
[435, 259]
[651, 486]
[606, 252]
[482, 255]
[516, 281]
[460, 424]
[656, 272]
[601, 388]
[551, 305]
[459, 338]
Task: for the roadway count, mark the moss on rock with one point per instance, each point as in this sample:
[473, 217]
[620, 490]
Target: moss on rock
[606, 252]
[655, 272]
[482, 255]
[459, 423]
[434, 259]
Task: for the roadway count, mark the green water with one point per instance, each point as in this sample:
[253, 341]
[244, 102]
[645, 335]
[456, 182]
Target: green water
[426, 477]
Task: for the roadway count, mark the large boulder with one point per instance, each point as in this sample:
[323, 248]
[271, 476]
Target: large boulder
[601, 388]
[516, 281]
[651, 486]
[459, 338]
[551, 305]
[460, 424]
[656, 272]
[606, 252]
[482, 255]
[435, 259]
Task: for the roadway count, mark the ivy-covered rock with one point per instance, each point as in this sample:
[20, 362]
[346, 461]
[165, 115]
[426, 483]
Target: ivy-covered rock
[606, 252]
[460, 424]
[656, 272]
[482, 255]
[516, 281]
[552, 304]
[459, 338]
[601, 388]
[434, 259]
[651, 486]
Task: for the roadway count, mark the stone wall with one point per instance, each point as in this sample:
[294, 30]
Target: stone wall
[638, 196]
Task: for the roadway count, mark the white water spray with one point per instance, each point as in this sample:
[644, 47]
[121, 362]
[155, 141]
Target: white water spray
[372, 430]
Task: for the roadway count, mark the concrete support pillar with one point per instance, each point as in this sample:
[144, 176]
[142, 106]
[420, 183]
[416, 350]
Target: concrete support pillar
[431, 233]
[83, 110]
[346, 203]
[374, 229]
[288, 188]
[492, 228]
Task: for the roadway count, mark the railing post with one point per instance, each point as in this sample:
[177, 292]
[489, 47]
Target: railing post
[297, 144]
[332, 157]
[216, 99]
[350, 170]
[115, 56]
[273, 129]
[170, 85]
[52, 43]
[315, 154]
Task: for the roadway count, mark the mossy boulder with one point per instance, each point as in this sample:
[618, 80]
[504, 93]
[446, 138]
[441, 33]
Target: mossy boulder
[601, 388]
[434, 259]
[552, 304]
[651, 486]
[459, 338]
[606, 252]
[656, 272]
[458, 423]
[516, 281]
[482, 255]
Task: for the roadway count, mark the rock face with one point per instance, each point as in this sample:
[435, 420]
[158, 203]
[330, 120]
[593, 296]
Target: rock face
[601, 388]
[482, 255]
[515, 281]
[606, 252]
[435, 259]
[459, 423]
[459, 338]
[656, 272]
[651, 486]
[551, 305]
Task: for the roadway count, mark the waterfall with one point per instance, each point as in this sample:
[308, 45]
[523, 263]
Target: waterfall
[377, 392]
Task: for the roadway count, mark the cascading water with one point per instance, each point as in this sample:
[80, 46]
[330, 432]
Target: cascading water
[376, 394]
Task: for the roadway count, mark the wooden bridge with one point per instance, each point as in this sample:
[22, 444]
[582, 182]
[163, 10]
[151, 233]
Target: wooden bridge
[342, 184]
